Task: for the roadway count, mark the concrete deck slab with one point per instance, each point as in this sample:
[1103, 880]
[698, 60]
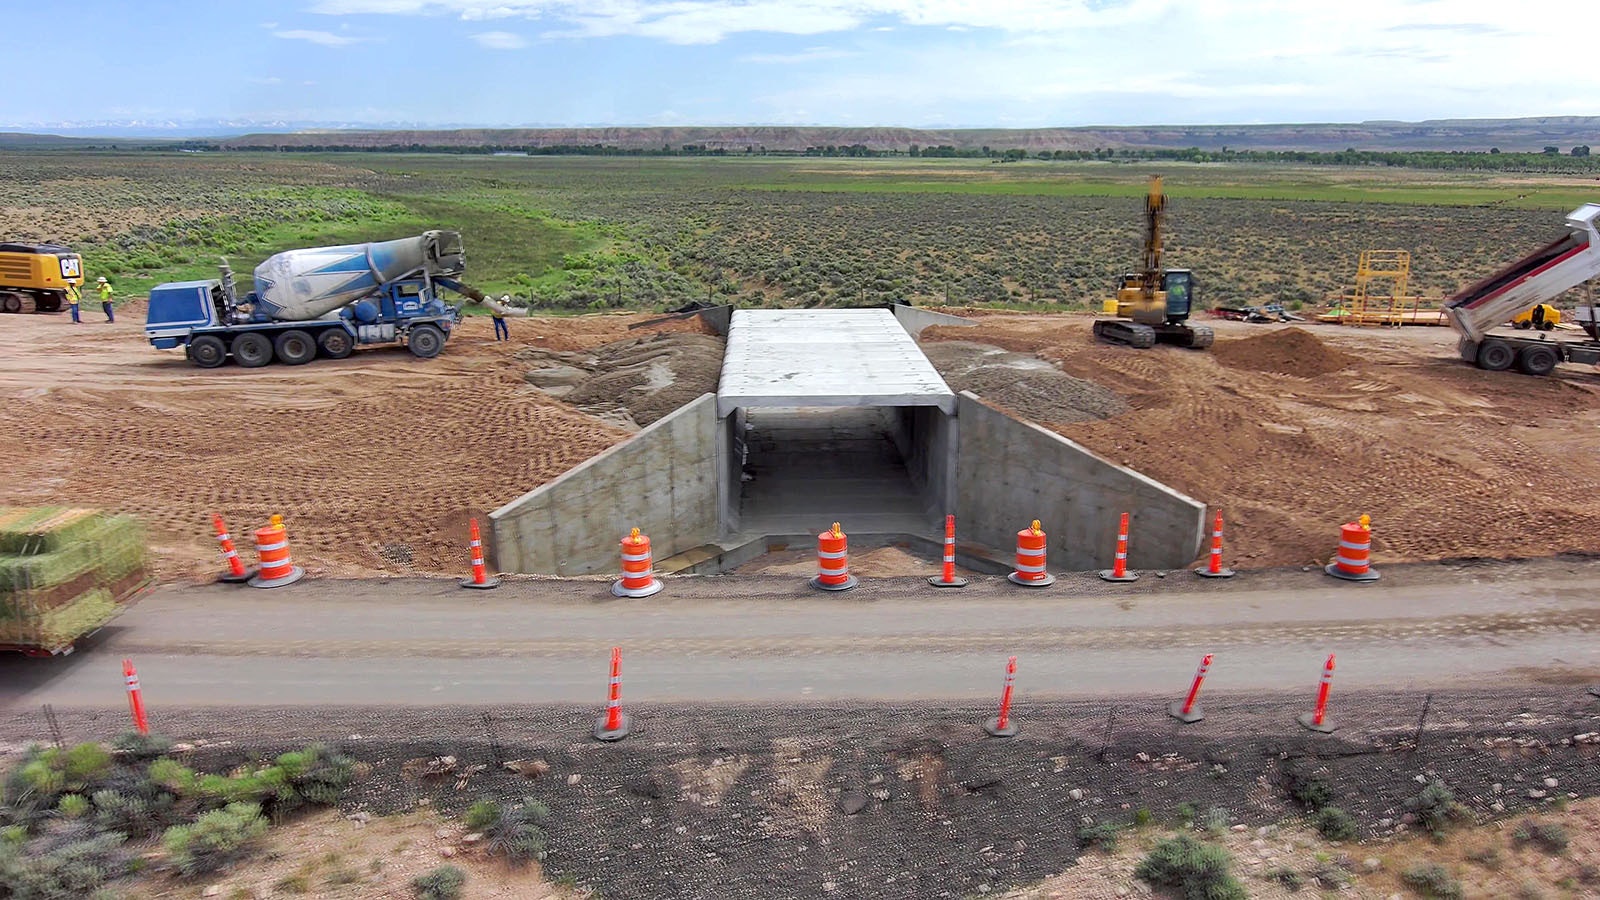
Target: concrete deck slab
[825, 358]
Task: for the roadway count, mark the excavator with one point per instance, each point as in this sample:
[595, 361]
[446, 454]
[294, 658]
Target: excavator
[1153, 305]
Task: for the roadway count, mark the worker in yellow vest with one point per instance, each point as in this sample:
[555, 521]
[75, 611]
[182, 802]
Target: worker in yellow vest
[104, 287]
[73, 297]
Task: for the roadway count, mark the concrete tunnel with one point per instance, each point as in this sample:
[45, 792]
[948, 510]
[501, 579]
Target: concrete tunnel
[825, 416]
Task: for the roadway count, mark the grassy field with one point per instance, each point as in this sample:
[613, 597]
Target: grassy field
[578, 233]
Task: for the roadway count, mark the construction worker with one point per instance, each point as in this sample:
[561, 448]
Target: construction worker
[502, 332]
[104, 287]
[73, 297]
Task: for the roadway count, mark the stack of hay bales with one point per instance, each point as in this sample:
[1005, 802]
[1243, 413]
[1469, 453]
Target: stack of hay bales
[64, 573]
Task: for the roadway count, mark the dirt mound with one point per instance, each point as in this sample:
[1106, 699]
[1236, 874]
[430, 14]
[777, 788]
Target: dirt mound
[1285, 351]
[1021, 383]
[632, 382]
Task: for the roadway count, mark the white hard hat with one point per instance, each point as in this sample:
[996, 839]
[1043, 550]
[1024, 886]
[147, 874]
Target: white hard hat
[101, 279]
[505, 298]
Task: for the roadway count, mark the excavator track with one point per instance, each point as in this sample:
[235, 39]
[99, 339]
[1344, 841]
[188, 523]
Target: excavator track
[1130, 334]
[1195, 337]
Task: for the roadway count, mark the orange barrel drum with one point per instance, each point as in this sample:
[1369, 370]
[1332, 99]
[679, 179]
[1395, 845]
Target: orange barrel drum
[638, 578]
[277, 567]
[1031, 570]
[1355, 544]
[833, 561]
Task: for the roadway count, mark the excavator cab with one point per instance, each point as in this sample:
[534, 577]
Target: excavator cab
[1180, 288]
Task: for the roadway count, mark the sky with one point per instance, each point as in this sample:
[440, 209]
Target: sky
[939, 63]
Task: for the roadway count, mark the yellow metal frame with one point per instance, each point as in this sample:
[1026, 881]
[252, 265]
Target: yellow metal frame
[1390, 269]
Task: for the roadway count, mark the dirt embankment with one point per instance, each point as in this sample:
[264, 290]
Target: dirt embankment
[1021, 383]
[1291, 431]
[632, 382]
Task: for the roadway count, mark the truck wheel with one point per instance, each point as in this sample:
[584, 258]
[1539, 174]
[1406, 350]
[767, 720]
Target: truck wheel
[1496, 356]
[336, 343]
[1537, 360]
[425, 341]
[252, 350]
[295, 348]
[207, 351]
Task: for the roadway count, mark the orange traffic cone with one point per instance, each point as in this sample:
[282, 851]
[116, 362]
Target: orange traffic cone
[480, 579]
[237, 573]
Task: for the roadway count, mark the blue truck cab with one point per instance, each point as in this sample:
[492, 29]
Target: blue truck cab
[202, 318]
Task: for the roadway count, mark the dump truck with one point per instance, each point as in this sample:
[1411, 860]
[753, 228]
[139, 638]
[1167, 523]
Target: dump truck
[34, 277]
[1479, 313]
[323, 301]
[64, 574]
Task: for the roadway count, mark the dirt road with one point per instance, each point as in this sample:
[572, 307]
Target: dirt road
[773, 639]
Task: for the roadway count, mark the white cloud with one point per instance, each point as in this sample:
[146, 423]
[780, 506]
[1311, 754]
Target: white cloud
[810, 54]
[500, 40]
[269, 80]
[320, 38]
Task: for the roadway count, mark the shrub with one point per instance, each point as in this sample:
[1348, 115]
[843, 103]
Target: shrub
[443, 883]
[1310, 791]
[1436, 808]
[515, 832]
[1102, 835]
[1487, 856]
[173, 776]
[1432, 880]
[84, 763]
[1198, 870]
[1187, 813]
[141, 747]
[215, 839]
[74, 869]
[318, 774]
[1549, 836]
[1335, 824]
[73, 806]
[1287, 877]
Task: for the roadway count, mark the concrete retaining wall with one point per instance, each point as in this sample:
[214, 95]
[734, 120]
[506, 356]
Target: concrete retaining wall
[1010, 472]
[913, 320]
[662, 480]
[926, 438]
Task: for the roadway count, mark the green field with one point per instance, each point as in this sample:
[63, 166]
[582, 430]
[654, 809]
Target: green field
[578, 233]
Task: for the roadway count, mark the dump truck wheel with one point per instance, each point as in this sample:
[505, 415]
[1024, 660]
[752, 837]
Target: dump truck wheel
[1537, 360]
[425, 341]
[336, 343]
[295, 348]
[208, 351]
[252, 351]
[1496, 356]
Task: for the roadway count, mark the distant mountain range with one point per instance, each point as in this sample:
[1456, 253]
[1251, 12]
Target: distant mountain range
[1529, 134]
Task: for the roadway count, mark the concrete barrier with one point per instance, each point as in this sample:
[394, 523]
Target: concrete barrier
[662, 480]
[913, 320]
[1009, 472]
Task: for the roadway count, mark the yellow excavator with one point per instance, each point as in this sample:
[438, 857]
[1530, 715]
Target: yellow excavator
[1154, 304]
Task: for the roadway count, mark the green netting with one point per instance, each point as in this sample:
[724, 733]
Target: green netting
[48, 529]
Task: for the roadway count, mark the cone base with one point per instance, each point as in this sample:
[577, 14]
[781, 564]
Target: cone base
[1194, 714]
[241, 578]
[624, 726]
[295, 574]
[845, 585]
[617, 590]
[1308, 721]
[485, 585]
[1046, 581]
[1111, 575]
[993, 727]
[1334, 570]
[938, 581]
[1207, 573]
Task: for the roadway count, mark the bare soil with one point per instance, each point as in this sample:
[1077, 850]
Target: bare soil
[1291, 430]
[632, 382]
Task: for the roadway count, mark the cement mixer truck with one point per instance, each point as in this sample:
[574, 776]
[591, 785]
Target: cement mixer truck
[323, 301]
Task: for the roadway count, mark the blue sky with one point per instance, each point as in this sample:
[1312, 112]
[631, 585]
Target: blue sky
[1000, 63]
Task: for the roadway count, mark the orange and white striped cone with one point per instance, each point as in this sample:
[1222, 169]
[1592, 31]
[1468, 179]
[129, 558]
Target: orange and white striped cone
[480, 579]
[833, 561]
[277, 567]
[638, 578]
[1317, 719]
[1032, 568]
[1119, 567]
[1214, 568]
[1002, 725]
[1355, 544]
[237, 573]
[613, 724]
[947, 578]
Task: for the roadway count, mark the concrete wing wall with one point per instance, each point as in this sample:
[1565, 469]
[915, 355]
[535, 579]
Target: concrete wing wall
[662, 481]
[1010, 472]
[914, 319]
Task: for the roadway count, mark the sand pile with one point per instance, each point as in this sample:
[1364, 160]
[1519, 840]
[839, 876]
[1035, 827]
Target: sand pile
[632, 382]
[1285, 351]
[1021, 383]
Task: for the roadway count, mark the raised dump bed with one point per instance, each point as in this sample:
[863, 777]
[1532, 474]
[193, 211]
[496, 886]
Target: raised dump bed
[64, 573]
